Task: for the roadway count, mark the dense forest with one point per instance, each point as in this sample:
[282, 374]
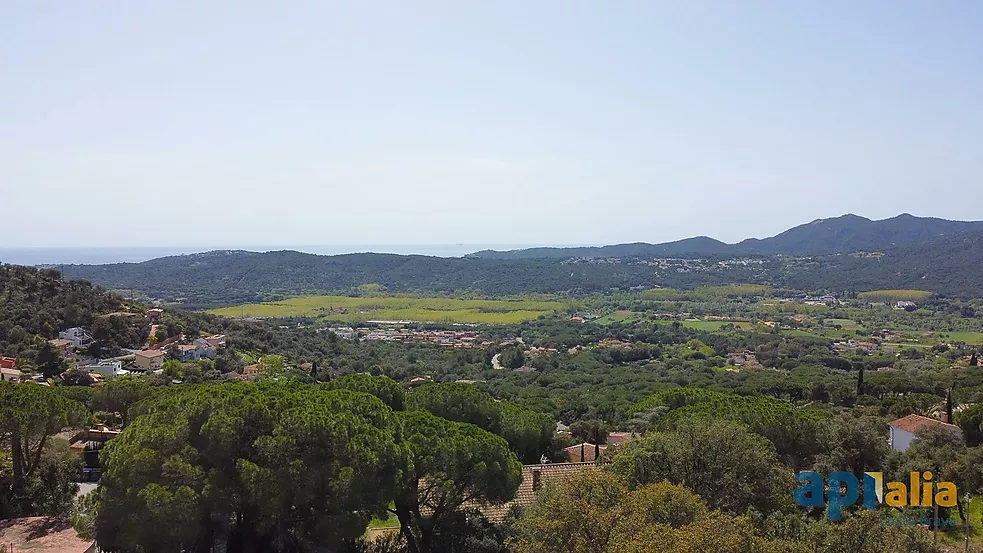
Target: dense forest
[946, 266]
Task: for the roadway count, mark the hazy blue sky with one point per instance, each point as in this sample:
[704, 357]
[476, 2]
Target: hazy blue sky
[223, 123]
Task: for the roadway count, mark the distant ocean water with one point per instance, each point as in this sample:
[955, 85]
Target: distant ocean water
[99, 256]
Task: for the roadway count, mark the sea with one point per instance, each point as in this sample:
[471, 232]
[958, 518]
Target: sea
[106, 255]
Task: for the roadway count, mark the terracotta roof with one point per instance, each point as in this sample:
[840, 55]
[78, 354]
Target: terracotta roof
[619, 437]
[41, 535]
[526, 493]
[7, 362]
[150, 353]
[573, 452]
[912, 423]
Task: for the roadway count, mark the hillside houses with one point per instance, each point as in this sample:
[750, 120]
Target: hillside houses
[79, 337]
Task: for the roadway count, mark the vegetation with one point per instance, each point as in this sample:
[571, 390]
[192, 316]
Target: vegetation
[894, 295]
[395, 308]
[728, 390]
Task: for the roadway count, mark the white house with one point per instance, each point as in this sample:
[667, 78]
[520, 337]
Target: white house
[904, 429]
[207, 346]
[10, 375]
[77, 336]
[108, 369]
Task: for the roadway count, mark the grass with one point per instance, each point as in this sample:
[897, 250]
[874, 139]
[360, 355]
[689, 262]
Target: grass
[710, 326]
[894, 295]
[436, 310]
[388, 522]
[706, 292]
[972, 338]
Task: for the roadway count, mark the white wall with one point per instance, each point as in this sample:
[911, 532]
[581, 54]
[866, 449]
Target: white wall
[901, 439]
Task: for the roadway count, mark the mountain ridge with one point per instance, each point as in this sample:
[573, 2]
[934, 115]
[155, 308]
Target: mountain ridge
[844, 234]
[942, 262]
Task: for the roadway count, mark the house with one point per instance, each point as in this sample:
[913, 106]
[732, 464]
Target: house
[78, 336]
[533, 478]
[108, 369]
[155, 314]
[63, 345]
[187, 353]
[584, 453]
[904, 429]
[215, 340]
[87, 444]
[149, 360]
[906, 305]
[8, 362]
[10, 375]
[207, 346]
[618, 438]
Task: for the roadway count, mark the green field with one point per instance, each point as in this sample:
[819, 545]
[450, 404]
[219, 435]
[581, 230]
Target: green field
[436, 310]
[973, 338]
[895, 295]
[710, 326]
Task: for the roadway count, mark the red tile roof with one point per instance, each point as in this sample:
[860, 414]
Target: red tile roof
[573, 452]
[8, 362]
[526, 493]
[41, 535]
[912, 423]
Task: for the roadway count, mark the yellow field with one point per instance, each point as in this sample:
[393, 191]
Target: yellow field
[436, 310]
[706, 292]
[895, 295]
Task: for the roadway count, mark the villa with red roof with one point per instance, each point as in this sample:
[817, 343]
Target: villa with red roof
[904, 429]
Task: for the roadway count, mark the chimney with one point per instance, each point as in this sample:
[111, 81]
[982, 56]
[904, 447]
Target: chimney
[537, 474]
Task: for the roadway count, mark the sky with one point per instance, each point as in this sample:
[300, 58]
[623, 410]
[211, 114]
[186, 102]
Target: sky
[211, 123]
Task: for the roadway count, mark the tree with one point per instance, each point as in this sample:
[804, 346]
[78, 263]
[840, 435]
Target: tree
[458, 402]
[448, 465]
[49, 361]
[855, 445]
[948, 407]
[576, 515]
[77, 377]
[970, 420]
[860, 382]
[248, 467]
[712, 458]
[382, 387]
[30, 416]
[973, 361]
[529, 433]
[593, 432]
[118, 396]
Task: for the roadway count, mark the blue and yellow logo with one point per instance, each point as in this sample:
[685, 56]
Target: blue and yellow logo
[844, 490]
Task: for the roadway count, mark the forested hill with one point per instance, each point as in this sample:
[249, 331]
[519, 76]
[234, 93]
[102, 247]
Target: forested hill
[950, 265]
[227, 277]
[38, 303]
[846, 234]
[701, 245]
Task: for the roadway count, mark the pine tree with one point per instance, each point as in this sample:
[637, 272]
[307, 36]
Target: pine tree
[860, 382]
[948, 406]
[973, 361]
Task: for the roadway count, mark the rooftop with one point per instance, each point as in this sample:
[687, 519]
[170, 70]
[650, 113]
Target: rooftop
[526, 493]
[150, 353]
[41, 535]
[912, 423]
